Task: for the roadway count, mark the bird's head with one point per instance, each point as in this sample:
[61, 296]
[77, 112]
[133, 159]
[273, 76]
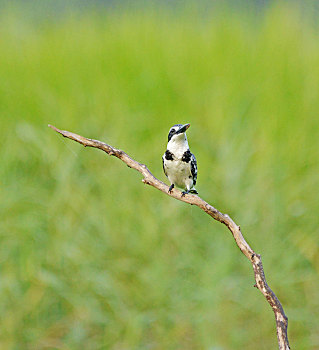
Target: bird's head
[178, 132]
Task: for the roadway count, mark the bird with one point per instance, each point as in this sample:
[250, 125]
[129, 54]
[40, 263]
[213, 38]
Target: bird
[179, 164]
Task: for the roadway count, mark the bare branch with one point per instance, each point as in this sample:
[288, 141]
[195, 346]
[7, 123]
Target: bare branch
[255, 259]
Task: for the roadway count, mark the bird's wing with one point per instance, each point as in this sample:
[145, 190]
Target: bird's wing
[194, 169]
[164, 166]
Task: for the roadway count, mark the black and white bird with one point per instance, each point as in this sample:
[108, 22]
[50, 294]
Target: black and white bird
[179, 164]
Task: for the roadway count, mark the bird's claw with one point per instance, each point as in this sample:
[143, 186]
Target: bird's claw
[170, 190]
[190, 191]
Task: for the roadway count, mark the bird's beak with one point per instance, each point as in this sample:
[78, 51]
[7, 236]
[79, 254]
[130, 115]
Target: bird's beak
[183, 128]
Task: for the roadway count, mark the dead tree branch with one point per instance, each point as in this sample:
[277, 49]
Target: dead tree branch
[254, 258]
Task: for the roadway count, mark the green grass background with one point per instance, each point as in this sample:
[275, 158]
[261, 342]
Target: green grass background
[90, 258]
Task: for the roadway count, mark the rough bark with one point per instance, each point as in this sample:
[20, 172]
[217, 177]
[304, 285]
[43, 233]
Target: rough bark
[254, 258]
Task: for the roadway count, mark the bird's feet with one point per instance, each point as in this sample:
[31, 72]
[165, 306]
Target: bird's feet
[170, 188]
[189, 191]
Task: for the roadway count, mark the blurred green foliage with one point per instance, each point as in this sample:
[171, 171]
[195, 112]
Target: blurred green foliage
[90, 258]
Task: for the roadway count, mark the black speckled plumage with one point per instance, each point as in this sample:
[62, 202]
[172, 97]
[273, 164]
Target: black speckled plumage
[194, 169]
[169, 155]
[187, 156]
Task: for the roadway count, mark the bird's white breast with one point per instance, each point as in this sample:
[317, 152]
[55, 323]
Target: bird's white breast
[178, 172]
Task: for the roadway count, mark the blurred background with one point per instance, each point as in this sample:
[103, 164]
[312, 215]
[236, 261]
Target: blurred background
[90, 258]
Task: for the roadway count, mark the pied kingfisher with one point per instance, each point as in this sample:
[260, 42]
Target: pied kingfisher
[179, 164]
